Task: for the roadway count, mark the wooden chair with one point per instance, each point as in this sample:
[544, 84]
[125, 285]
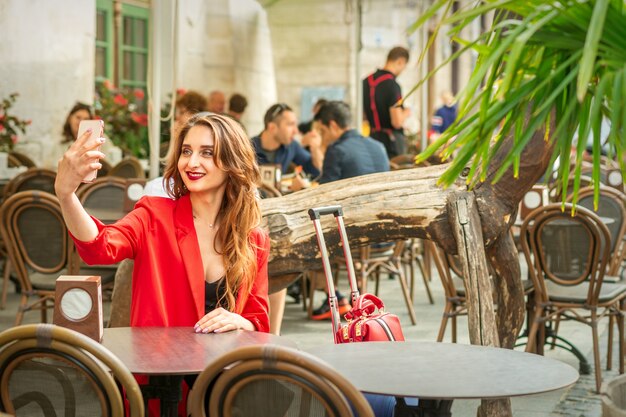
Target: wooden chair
[374, 258]
[50, 370]
[129, 167]
[104, 198]
[122, 295]
[567, 257]
[106, 168]
[267, 191]
[611, 205]
[38, 245]
[404, 161]
[39, 248]
[32, 179]
[21, 160]
[271, 380]
[453, 288]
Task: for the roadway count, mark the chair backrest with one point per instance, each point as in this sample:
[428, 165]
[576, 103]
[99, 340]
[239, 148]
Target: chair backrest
[104, 198]
[267, 191]
[555, 189]
[31, 179]
[122, 295]
[47, 370]
[129, 167]
[446, 265]
[23, 159]
[106, 168]
[611, 205]
[271, 380]
[535, 197]
[612, 212]
[404, 161]
[35, 235]
[566, 249]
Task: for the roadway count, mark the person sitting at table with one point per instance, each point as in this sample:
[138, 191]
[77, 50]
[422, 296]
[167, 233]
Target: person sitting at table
[200, 257]
[276, 144]
[78, 113]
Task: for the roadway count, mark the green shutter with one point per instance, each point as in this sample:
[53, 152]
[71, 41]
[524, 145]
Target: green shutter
[104, 40]
[133, 47]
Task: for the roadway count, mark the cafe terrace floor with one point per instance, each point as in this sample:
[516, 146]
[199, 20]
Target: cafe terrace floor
[578, 400]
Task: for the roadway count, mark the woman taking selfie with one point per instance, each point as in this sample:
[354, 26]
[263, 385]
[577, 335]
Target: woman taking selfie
[200, 257]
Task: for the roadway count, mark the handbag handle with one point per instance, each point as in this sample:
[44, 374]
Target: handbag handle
[365, 306]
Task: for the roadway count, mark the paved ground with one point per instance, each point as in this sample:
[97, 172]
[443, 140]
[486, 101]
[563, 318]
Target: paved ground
[576, 401]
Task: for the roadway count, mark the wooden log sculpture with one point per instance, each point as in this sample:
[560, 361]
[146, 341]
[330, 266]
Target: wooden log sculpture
[409, 203]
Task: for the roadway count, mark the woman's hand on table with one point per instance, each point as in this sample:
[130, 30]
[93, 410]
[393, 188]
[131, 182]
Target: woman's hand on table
[78, 161]
[221, 320]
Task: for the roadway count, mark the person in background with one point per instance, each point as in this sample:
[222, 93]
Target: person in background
[200, 256]
[382, 103]
[190, 103]
[276, 144]
[217, 102]
[306, 127]
[444, 116]
[237, 106]
[78, 112]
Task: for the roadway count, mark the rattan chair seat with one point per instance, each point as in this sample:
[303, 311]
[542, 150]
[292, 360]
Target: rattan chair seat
[578, 293]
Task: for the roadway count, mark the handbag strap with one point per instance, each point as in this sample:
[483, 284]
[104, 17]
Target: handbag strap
[365, 305]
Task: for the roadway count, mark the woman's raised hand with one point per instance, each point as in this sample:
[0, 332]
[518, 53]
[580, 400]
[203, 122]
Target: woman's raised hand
[78, 161]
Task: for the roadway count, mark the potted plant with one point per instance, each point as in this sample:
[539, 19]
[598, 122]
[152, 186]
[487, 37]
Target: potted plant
[125, 121]
[10, 125]
[541, 61]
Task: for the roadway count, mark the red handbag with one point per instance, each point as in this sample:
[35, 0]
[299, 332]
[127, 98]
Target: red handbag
[366, 325]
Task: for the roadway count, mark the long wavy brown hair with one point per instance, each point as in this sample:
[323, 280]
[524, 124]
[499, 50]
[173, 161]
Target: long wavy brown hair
[240, 212]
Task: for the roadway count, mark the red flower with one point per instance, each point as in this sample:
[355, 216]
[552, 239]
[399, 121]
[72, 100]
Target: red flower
[27, 122]
[139, 94]
[120, 100]
[180, 91]
[108, 85]
[1, 128]
[1, 117]
[14, 139]
[139, 118]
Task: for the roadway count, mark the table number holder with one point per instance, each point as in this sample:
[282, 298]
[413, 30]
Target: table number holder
[78, 304]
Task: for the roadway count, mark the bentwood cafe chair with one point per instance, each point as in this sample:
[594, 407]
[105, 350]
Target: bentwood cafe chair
[270, 381]
[47, 370]
[567, 257]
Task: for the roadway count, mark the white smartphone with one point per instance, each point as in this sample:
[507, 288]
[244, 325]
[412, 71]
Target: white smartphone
[97, 131]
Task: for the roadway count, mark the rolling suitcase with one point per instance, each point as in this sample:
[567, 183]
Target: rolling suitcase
[367, 320]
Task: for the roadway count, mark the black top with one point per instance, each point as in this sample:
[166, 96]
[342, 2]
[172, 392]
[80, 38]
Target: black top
[213, 291]
[386, 93]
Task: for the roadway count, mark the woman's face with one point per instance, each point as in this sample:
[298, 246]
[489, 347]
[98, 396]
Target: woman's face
[76, 118]
[196, 164]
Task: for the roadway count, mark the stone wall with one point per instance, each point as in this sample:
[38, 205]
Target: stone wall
[47, 57]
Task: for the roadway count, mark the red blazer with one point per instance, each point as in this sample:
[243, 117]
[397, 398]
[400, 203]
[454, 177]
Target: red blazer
[168, 278]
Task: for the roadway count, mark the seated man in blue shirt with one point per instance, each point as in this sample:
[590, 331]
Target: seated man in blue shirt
[348, 154]
[275, 145]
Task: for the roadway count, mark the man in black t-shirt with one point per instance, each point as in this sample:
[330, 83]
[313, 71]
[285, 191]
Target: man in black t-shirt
[382, 103]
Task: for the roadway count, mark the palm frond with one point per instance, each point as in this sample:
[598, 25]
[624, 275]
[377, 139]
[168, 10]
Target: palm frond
[565, 58]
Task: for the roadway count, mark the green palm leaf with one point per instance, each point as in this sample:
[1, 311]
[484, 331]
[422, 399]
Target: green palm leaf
[566, 58]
